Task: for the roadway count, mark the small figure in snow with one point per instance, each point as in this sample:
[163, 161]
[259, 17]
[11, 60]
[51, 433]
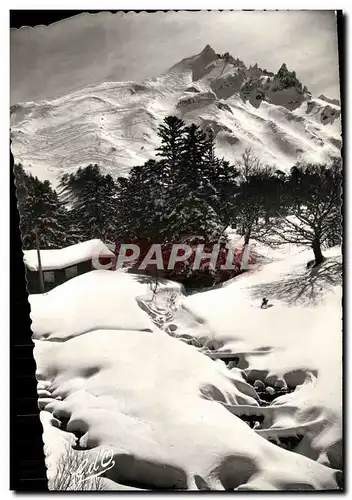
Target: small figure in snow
[264, 304]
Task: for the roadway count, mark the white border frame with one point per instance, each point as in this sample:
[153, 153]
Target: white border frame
[4, 170]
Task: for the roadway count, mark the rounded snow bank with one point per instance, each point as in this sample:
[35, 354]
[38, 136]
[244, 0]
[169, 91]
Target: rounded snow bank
[295, 342]
[159, 406]
[96, 300]
[167, 414]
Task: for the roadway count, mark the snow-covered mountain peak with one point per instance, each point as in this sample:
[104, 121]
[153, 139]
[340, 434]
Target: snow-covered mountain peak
[198, 65]
[208, 50]
[228, 76]
[115, 124]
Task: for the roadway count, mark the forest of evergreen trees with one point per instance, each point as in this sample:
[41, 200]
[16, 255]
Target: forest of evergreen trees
[186, 191]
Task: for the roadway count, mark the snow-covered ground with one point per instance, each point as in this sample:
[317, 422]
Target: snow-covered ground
[109, 378]
[115, 124]
[140, 373]
[296, 341]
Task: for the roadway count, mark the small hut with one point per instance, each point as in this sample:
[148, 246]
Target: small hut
[63, 264]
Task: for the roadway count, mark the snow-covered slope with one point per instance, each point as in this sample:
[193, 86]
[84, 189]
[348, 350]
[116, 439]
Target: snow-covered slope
[173, 416]
[115, 124]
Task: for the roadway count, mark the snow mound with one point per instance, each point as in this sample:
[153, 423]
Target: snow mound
[299, 341]
[177, 434]
[102, 294]
[173, 414]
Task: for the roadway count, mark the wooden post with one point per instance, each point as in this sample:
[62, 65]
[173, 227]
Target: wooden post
[40, 270]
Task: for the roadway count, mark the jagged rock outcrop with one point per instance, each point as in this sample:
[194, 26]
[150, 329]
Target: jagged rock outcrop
[200, 100]
[253, 91]
[228, 84]
[329, 115]
[325, 114]
[281, 89]
[335, 102]
[227, 76]
[200, 64]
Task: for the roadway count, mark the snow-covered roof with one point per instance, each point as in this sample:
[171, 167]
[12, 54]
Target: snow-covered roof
[65, 257]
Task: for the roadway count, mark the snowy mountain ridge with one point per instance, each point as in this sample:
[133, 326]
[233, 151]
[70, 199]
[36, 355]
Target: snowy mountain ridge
[115, 124]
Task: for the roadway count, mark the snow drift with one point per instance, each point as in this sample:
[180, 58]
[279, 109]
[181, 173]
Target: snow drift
[174, 417]
[297, 343]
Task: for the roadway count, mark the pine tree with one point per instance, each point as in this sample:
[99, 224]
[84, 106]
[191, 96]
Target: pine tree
[227, 188]
[140, 203]
[172, 134]
[93, 200]
[187, 192]
[220, 180]
[40, 211]
[179, 194]
[189, 209]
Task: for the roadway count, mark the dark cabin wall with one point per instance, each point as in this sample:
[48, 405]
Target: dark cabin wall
[32, 279]
[33, 282]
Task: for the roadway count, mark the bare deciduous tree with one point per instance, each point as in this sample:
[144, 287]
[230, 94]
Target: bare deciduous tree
[71, 473]
[313, 195]
[258, 198]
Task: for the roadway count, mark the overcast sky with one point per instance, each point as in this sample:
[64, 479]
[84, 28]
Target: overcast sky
[91, 48]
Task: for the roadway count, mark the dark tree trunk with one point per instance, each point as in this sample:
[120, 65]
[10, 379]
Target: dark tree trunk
[40, 269]
[247, 237]
[319, 257]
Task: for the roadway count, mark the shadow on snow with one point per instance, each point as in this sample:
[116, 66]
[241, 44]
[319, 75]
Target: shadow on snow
[304, 288]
